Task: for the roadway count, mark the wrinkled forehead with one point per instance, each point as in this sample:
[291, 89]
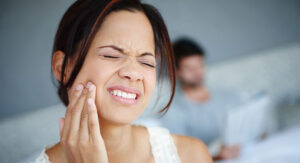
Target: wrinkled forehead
[128, 30]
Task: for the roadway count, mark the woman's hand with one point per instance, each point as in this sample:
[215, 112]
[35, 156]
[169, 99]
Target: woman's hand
[80, 131]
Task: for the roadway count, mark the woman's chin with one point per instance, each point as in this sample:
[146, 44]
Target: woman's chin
[119, 115]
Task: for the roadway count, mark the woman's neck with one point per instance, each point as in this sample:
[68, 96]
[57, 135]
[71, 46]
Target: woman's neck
[118, 138]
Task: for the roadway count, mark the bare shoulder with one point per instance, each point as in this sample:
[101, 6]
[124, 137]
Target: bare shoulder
[191, 149]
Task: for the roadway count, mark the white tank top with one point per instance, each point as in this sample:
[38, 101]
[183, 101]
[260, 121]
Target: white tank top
[162, 144]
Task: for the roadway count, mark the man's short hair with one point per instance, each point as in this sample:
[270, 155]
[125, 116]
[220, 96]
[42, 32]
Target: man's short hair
[185, 47]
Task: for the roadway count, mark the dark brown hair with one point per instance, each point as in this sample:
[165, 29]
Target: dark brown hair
[82, 20]
[185, 47]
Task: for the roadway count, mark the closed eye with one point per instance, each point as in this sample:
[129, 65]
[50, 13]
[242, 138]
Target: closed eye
[147, 64]
[109, 56]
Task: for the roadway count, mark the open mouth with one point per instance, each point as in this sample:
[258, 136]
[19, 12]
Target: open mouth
[124, 95]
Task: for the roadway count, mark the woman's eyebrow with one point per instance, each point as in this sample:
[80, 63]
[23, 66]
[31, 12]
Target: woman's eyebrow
[122, 50]
[146, 54]
[113, 47]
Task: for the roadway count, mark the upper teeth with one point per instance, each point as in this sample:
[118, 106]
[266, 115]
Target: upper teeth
[123, 94]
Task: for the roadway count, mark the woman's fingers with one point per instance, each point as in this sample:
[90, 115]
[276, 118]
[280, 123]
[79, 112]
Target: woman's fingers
[89, 126]
[80, 129]
[84, 130]
[76, 116]
[93, 121]
[76, 93]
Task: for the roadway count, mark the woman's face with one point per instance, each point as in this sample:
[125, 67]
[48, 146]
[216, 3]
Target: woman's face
[121, 63]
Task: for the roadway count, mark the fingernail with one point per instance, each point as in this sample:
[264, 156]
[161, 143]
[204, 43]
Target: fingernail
[90, 101]
[79, 87]
[90, 86]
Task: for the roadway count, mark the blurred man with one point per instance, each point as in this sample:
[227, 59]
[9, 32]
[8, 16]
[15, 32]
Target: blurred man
[197, 110]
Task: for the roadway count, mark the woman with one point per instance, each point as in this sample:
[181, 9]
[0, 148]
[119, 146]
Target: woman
[105, 58]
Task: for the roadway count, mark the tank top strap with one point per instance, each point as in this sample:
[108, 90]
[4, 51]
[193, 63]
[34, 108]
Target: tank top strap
[162, 144]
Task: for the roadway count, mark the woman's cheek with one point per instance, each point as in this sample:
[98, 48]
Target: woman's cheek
[150, 81]
[99, 76]
[93, 72]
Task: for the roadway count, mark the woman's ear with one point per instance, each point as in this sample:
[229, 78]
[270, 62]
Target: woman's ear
[57, 63]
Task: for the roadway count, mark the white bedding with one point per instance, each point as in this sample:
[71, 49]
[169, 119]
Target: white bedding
[283, 147]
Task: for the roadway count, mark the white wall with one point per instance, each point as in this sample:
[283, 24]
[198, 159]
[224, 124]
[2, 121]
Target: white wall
[225, 28]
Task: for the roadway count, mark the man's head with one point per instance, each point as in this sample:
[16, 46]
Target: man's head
[189, 59]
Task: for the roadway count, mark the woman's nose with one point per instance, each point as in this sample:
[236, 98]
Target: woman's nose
[131, 71]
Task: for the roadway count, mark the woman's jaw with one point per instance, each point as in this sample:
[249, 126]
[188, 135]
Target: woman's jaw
[121, 104]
